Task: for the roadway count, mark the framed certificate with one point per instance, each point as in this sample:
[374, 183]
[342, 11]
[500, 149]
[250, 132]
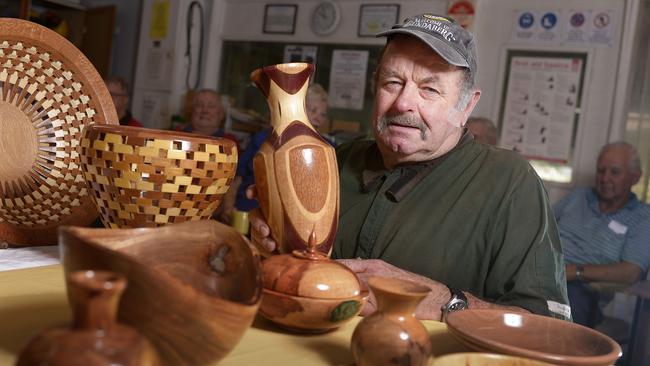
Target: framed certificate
[280, 18]
[375, 18]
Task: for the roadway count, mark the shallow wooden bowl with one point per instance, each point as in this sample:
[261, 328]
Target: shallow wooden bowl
[49, 93]
[145, 178]
[532, 336]
[310, 315]
[484, 359]
[194, 288]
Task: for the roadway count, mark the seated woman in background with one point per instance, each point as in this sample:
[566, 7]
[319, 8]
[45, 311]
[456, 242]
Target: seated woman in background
[207, 116]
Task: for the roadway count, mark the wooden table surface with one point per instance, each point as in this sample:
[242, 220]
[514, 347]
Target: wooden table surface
[34, 299]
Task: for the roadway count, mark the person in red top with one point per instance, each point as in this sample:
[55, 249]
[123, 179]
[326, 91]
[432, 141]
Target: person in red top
[120, 94]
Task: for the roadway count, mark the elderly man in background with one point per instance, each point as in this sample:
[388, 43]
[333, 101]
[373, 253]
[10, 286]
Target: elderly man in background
[605, 231]
[208, 115]
[425, 202]
[483, 130]
[120, 94]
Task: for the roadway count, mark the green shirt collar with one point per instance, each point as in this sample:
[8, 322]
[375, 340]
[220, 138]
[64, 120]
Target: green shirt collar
[410, 173]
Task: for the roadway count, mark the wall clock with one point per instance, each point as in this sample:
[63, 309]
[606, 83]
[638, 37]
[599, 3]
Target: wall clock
[325, 18]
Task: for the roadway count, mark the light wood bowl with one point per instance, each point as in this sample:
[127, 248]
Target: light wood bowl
[50, 92]
[532, 336]
[146, 178]
[194, 288]
[484, 359]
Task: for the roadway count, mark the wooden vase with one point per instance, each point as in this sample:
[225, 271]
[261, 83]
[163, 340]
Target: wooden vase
[296, 174]
[94, 337]
[392, 335]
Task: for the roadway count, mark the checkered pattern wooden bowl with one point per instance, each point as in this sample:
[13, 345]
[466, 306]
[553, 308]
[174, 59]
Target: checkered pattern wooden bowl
[48, 92]
[140, 177]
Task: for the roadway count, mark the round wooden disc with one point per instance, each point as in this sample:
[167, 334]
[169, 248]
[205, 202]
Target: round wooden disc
[48, 92]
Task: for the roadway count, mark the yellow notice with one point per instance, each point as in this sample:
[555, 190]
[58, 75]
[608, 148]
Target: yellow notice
[159, 19]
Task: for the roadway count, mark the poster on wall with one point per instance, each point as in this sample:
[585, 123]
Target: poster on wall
[159, 20]
[348, 79]
[577, 27]
[299, 53]
[602, 29]
[540, 103]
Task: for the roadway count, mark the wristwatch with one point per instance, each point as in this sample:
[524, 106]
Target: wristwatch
[457, 302]
[579, 271]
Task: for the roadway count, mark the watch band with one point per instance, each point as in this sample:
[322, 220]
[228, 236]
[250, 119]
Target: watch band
[457, 302]
[580, 270]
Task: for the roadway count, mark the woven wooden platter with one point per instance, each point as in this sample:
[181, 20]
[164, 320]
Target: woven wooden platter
[49, 92]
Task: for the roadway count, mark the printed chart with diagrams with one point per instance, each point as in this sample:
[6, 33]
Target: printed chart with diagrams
[540, 106]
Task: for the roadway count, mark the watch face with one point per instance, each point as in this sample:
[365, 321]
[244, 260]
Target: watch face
[457, 306]
[325, 18]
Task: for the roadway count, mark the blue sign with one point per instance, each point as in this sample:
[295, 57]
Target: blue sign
[526, 20]
[549, 20]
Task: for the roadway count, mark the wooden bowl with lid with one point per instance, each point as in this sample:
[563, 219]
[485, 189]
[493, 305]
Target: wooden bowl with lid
[194, 288]
[305, 291]
[141, 177]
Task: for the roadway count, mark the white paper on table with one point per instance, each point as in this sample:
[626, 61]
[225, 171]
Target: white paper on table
[16, 258]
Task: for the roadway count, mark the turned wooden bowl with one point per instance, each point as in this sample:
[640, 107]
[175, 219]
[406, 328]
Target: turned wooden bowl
[194, 288]
[532, 336]
[310, 315]
[50, 92]
[146, 178]
[305, 291]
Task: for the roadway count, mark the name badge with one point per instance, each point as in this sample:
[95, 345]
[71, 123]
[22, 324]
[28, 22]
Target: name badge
[617, 227]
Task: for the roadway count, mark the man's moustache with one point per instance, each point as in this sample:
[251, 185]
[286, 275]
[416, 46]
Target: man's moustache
[406, 120]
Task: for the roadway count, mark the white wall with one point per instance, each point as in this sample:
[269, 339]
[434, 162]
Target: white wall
[160, 80]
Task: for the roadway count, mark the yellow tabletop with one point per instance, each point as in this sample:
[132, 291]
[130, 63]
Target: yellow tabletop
[34, 299]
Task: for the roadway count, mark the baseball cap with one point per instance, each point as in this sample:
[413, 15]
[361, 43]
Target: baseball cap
[444, 35]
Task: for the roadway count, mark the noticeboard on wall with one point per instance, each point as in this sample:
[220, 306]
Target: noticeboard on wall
[540, 103]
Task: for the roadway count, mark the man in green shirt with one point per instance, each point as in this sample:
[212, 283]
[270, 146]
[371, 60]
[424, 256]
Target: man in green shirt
[425, 202]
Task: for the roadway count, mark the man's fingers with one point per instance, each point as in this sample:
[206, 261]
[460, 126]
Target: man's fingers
[251, 192]
[260, 233]
[258, 223]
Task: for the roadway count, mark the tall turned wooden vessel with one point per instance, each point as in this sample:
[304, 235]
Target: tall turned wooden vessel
[295, 169]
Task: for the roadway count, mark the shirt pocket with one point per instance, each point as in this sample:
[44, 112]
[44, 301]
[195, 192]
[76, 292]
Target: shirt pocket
[607, 244]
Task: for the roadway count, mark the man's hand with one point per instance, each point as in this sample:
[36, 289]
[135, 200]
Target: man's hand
[260, 231]
[429, 308]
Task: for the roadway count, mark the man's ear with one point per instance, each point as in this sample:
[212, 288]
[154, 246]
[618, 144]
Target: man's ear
[635, 177]
[467, 111]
